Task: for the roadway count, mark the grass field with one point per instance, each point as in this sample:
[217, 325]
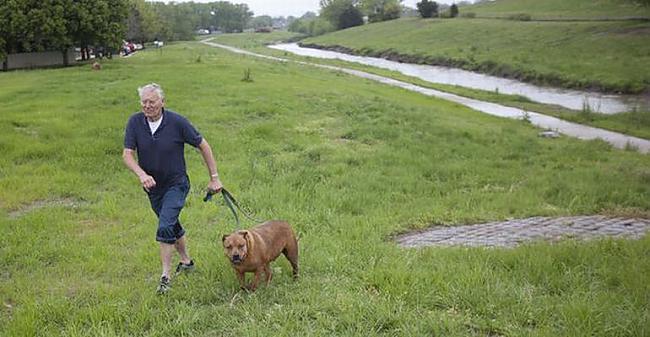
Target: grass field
[606, 56]
[349, 163]
[560, 9]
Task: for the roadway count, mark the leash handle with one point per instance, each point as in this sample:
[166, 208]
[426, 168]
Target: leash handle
[228, 198]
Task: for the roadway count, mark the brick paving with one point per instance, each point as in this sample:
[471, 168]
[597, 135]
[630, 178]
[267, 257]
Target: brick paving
[514, 232]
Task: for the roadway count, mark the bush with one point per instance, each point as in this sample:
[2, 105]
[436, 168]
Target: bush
[453, 11]
[428, 9]
[341, 13]
[468, 15]
[311, 26]
[388, 12]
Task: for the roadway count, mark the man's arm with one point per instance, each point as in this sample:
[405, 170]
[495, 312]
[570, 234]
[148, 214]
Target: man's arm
[146, 180]
[206, 151]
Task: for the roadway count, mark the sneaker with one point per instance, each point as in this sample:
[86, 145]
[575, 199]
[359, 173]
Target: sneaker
[182, 267]
[164, 286]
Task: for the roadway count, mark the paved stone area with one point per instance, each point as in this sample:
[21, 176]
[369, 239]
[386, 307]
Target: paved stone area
[514, 232]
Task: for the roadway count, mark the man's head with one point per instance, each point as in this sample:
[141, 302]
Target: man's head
[152, 99]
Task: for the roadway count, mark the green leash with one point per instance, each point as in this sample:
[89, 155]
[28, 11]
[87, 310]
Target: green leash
[231, 202]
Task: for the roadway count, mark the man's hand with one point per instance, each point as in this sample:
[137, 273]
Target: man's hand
[215, 185]
[147, 182]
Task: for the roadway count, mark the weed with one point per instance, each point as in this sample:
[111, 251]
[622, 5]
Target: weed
[247, 76]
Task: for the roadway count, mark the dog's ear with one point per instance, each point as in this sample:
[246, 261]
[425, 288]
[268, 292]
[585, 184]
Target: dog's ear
[243, 233]
[223, 238]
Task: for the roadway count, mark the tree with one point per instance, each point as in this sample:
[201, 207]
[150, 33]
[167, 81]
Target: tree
[230, 18]
[428, 8]
[96, 23]
[453, 11]
[143, 23]
[311, 25]
[261, 21]
[341, 13]
[381, 10]
[28, 25]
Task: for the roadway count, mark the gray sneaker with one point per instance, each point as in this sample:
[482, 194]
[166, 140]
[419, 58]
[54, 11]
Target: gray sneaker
[182, 267]
[164, 285]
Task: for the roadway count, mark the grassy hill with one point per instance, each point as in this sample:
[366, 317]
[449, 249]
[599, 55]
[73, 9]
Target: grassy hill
[349, 163]
[561, 9]
[606, 56]
[611, 56]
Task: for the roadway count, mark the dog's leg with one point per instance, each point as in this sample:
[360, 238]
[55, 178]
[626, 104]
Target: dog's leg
[268, 272]
[256, 279]
[241, 277]
[291, 253]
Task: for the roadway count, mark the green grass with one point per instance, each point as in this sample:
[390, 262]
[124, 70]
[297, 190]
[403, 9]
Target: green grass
[560, 9]
[608, 56]
[634, 123]
[349, 163]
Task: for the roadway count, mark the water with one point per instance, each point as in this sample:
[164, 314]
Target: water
[571, 129]
[572, 99]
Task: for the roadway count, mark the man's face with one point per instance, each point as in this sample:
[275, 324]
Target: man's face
[152, 105]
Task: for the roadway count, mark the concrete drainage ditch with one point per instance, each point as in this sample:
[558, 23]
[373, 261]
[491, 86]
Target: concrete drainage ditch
[514, 232]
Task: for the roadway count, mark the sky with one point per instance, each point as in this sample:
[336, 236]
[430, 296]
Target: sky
[294, 7]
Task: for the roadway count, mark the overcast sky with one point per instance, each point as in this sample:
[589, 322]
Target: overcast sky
[293, 7]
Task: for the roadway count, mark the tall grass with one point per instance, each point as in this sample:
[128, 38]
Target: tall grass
[349, 163]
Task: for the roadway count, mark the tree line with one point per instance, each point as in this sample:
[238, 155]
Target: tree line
[341, 14]
[47, 25]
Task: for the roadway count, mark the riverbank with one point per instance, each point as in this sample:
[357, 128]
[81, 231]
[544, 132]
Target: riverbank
[635, 123]
[601, 56]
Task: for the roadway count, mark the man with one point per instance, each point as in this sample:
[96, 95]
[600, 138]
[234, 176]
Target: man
[158, 136]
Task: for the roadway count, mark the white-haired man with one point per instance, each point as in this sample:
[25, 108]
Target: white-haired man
[158, 136]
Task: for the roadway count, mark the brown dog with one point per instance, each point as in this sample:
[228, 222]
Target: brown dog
[253, 250]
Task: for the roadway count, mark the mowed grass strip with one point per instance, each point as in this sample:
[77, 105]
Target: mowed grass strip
[349, 163]
[609, 56]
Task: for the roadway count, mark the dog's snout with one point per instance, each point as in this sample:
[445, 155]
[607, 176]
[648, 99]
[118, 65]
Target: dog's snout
[236, 258]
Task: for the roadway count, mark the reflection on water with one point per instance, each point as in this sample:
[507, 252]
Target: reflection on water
[572, 99]
[571, 129]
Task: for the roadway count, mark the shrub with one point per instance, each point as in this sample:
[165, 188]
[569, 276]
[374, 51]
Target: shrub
[341, 13]
[428, 9]
[453, 11]
[468, 15]
[390, 11]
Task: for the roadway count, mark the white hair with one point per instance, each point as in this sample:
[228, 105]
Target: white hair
[151, 87]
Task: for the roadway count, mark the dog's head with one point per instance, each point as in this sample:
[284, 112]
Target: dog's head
[237, 245]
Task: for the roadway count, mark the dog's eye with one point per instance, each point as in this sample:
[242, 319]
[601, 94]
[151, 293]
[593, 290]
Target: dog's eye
[240, 246]
[228, 246]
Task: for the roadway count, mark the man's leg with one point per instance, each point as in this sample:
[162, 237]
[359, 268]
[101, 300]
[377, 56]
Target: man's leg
[166, 251]
[181, 248]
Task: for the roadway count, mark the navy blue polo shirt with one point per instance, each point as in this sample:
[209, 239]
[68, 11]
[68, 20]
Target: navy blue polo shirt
[162, 155]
